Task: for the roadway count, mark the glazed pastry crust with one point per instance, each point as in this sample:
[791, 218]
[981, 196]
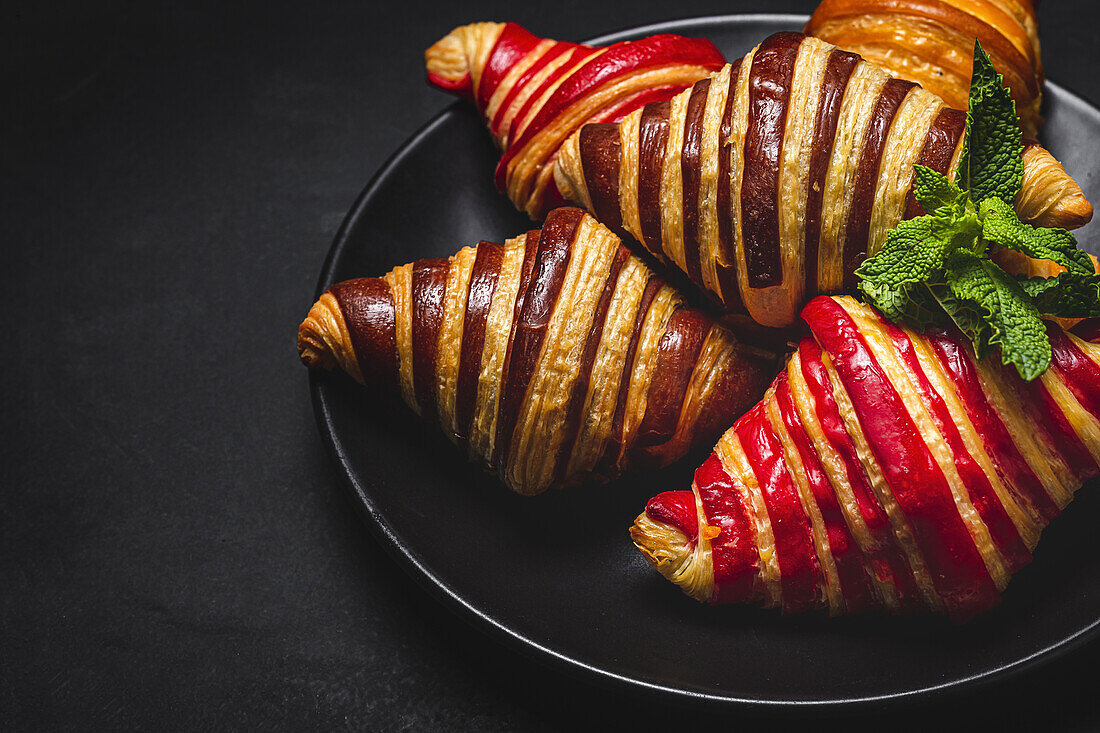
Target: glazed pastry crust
[815, 170]
[843, 518]
[556, 358]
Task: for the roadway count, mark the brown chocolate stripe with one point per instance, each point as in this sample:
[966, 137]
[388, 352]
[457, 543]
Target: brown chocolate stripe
[601, 155]
[690, 172]
[533, 313]
[429, 283]
[652, 140]
[607, 463]
[479, 300]
[727, 276]
[858, 226]
[367, 305]
[769, 95]
[939, 148]
[577, 399]
[838, 70]
[676, 358]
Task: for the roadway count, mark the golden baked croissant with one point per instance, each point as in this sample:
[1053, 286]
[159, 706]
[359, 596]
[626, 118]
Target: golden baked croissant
[773, 179]
[883, 469]
[931, 42]
[533, 92]
[555, 358]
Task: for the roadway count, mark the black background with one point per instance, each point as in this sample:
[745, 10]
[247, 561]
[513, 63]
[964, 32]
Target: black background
[176, 549]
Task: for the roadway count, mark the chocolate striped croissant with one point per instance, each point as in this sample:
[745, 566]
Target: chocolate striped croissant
[555, 358]
[533, 92]
[931, 42]
[883, 469]
[773, 179]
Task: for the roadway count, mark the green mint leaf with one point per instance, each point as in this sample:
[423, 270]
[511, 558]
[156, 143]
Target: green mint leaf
[967, 317]
[1070, 295]
[1000, 301]
[991, 162]
[1001, 226]
[913, 251]
[936, 193]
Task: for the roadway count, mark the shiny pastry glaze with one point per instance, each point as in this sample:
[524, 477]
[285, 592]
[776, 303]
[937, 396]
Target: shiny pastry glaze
[533, 92]
[883, 469]
[697, 181]
[555, 358]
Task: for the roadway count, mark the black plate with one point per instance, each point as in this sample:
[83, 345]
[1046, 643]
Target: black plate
[557, 576]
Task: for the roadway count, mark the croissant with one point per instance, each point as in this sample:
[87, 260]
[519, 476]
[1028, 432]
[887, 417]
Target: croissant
[884, 469]
[773, 179]
[555, 358]
[932, 43]
[533, 92]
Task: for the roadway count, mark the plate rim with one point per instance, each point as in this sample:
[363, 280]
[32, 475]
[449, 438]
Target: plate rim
[408, 558]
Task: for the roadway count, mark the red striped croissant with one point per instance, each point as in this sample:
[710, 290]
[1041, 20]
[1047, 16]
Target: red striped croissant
[931, 42]
[533, 92]
[772, 180]
[555, 358]
[883, 469]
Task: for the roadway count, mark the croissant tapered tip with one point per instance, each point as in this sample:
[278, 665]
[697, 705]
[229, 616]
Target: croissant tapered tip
[680, 559]
[324, 341]
[453, 61]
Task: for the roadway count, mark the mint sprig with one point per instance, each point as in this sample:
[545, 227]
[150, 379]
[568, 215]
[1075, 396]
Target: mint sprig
[936, 269]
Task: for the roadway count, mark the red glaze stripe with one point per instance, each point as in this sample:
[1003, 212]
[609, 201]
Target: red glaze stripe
[609, 460]
[462, 87]
[368, 309]
[734, 556]
[727, 274]
[625, 57]
[677, 355]
[533, 315]
[1050, 423]
[690, 171]
[939, 148]
[769, 96]
[1079, 373]
[676, 509]
[957, 570]
[525, 78]
[572, 422]
[838, 70]
[617, 112]
[794, 549]
[429, 285]
[601, 154]
[1088, 330]
[652, 140]
[479, 299]
[974, 480]
[858, 226]
[887, 560]
[1014, 470]
[513, 44]
[849, 561]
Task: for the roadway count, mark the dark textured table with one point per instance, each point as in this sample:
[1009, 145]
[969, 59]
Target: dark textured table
[176, 549]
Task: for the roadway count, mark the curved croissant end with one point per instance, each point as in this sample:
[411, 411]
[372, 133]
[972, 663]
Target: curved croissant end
[455, 62]
[680, 555]
[773, 179]
[534, 92]
[932, 43]
[555, 358]
[323, 339]
[1048, 196]
[884, 468]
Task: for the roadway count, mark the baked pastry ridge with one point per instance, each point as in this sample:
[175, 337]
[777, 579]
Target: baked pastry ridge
[883, 469]
[555, 358]
[771, 180]
[534, 92]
